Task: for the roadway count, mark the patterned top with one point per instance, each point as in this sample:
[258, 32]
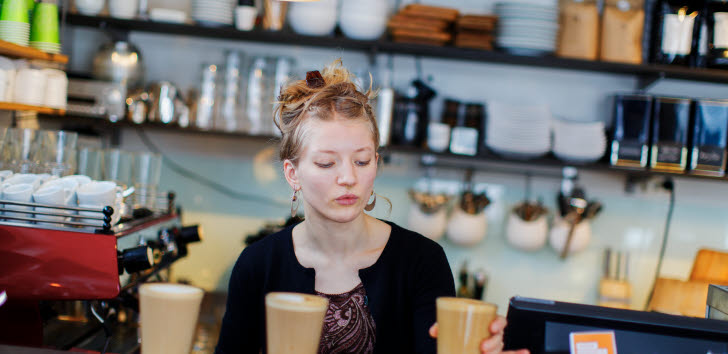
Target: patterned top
[348, 325]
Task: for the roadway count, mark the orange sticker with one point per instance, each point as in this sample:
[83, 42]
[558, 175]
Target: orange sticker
[593, 342]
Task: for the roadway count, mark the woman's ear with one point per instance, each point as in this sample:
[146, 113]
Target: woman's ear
[291, 174]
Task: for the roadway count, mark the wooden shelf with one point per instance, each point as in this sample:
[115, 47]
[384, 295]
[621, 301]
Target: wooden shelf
[547, 165]
[9, 106]
[644, 71]
[20, 52]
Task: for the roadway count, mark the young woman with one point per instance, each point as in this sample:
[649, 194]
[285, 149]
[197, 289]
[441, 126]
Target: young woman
[381, 279]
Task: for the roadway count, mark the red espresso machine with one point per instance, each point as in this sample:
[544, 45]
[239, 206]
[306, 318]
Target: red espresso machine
[70, 282]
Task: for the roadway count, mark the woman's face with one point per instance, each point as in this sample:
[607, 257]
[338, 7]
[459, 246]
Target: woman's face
[336, 169]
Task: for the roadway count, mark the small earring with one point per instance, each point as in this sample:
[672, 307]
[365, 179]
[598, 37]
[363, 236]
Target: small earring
[371, 205]
[294, 203]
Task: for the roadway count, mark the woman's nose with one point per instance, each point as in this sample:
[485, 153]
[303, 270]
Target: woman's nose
[347, 174]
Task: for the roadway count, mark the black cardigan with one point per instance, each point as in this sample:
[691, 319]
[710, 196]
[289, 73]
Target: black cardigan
[401, 288]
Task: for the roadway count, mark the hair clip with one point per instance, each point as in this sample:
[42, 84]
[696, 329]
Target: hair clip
[314, 79]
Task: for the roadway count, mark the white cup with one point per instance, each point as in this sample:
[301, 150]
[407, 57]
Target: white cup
[101, 193]
[4, 77]
[438, 136]
[89, 7]
[123, 8]
[23, 178]
[69, 186]
[80, 179]
[5, 174]
[527, 235]
[29, 86]
[56, 88]
[21, 192]
[51, 195]
[245, 17]
[466, 229]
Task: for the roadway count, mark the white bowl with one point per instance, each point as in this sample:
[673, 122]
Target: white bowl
[362, 27]
[311, 22]
[89, 7]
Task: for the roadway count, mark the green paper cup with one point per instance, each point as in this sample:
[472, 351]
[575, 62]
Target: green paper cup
[14, 10]
[45, 23]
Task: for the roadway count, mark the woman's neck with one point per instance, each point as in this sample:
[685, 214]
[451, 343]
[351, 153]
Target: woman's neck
[334, 239]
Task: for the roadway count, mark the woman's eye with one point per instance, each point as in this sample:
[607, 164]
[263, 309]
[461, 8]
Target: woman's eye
[324, 165]
[363, 163]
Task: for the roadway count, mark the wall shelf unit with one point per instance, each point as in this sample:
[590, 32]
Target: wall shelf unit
[548, 166]
[647, 73]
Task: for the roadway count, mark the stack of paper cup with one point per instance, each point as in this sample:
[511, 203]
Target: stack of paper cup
[55, 89]
[30, 87]
[14, 22]
[44, 32]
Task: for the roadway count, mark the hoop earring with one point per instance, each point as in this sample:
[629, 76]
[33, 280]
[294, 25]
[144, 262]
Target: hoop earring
[295, 203]
[371, 205]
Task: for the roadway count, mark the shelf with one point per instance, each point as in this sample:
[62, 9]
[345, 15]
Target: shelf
[76, 121]
[8, 106]
[386, 46]
[20, 52]
[548, 166]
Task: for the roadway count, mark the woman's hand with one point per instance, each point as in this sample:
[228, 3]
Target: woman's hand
[494, 344]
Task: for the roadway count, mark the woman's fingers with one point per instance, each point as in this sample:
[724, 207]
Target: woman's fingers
[493, 344]
[498, 325]
[433, 330]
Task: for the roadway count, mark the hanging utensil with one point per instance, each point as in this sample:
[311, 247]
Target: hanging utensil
[574, 217]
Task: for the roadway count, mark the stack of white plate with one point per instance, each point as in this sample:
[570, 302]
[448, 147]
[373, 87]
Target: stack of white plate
[579, 142]
[15, 32]
[213, 12]
[527, 27]
[520, 132]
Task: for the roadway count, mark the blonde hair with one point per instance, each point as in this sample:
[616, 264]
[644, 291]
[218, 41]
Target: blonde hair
[334, 96]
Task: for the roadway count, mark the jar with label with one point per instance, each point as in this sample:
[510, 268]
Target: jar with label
[710, 138]
[622, 28]
[579, 37]
[717, 23]
[677, 32]
[670, 130]
[464, 137]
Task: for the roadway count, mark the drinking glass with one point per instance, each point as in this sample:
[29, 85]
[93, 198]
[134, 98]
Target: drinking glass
[57, 152]
[146, 174]
[20, 150]
[90, 162]
[118, 166]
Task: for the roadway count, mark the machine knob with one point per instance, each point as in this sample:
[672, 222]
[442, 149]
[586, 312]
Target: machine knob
[189, 234]
[136, 259]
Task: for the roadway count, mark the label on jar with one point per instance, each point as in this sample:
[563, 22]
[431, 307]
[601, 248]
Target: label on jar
[677, 33]
[631, 151]
[720, 30]
[671, 153]
[711, 155]
[464, 141]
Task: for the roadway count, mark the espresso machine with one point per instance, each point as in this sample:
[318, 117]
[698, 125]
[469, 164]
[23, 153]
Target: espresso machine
[71, 283]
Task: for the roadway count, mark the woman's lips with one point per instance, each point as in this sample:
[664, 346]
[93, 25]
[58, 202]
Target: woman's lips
[347, 199]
